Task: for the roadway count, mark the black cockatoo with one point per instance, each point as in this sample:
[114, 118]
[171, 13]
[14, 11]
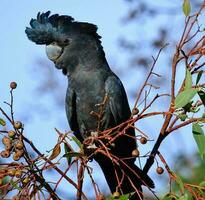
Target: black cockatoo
[76, 49]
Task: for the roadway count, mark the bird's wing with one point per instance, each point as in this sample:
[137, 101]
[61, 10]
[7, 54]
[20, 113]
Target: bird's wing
[71, 112]
[117, 99]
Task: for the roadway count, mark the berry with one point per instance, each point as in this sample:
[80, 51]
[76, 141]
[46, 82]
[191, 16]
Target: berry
[18, 173]
[5, 153]
[13, 85]
[159, 170]
[143, 140]
[11, 133]
[8, 146]
[135, 153]
[26, 180]
[116, 194]
[19, 145]
[11, 172]
[6, 140]
[16, 157]
[15, 197]
[18, 125]
[135, 111]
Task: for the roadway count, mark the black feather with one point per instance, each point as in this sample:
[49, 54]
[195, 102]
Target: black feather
[46, 29]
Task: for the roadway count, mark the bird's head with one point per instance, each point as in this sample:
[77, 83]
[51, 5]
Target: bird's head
[68, 43]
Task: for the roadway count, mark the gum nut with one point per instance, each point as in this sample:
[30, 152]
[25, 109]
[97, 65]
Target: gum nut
[6, 140]
[135, 153]
[5, 153]
[143, 140]
[18, 173]
[160, 170]
[17, 125]
[53, 51]
[16, 157]
[13, 85]
[19, 152]
[11, 133]
[19, 145]
[11, 172]
[8, 146]
[116, 194]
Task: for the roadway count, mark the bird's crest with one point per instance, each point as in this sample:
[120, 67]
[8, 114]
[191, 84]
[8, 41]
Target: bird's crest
[45, 29]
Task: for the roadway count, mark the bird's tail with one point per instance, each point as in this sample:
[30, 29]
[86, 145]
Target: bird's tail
[125, 177]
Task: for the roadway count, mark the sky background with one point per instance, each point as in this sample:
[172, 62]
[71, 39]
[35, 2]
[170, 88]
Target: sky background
[19, 55]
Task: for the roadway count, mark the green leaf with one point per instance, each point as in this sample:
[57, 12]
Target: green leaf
[202, 184]
[186, 7]
[122, 197]
[75, 139]
[202, 96]
[188, 80]
[67, 150]
[185, 97]
[15, 184]
[181, 184]
[72, 154]
[184, 197]
[2, 122]
[199, 137]
[199, 76]
[170, 197]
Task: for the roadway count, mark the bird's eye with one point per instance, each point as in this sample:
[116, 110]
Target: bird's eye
[53, 51]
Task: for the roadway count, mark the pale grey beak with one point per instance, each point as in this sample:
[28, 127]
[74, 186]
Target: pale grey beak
[53, 51]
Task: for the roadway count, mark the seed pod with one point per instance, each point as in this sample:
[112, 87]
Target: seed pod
[19, 145]
[159, 170]
[8, 146]
[1, 182]
[11, 172]
[6, 140]
[5, 153]
[18, 125]
[26, 180]
[135, 111]
[116, 195]
[18, 173]
[16, 157]
[11, 133]
[143, 140]
[13, 85]
[135, 153]
[19, 152]
[15, 197]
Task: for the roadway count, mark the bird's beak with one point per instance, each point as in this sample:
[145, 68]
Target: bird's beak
[53, 51]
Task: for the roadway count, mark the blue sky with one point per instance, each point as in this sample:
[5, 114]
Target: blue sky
[18, 54]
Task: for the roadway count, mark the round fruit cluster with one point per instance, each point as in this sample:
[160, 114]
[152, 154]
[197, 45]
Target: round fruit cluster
[13, 144]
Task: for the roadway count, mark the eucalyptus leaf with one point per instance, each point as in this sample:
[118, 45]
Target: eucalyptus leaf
[122, 197]
[199, 137]
[199, 76]
[181, 184]
[67, 150]
[186, 7]
[75, 139]
[188, 80]
[184, 197]
[170, 197]
[184, 97]
[56, 151]
[202, 96]
[2, 122]
[72, 154]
